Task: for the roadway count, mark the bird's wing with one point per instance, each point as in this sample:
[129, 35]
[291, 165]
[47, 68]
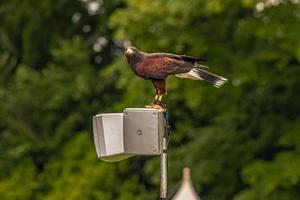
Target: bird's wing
[179, 57]
[161, 67]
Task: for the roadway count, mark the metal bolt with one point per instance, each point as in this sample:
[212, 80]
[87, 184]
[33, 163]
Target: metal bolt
[139, 132]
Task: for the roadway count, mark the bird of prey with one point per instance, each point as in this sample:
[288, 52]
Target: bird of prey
[158, 66]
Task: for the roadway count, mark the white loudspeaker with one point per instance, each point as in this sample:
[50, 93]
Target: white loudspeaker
[136, 131]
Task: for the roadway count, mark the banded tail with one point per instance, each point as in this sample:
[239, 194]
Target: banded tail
[201, 74]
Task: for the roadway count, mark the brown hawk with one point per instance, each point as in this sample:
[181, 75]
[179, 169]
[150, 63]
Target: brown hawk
[157, 66]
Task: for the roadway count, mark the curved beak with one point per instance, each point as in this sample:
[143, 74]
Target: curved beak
[128, 51]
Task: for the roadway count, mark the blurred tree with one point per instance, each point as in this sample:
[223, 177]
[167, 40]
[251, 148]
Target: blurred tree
[50, 57]
[59, 66]
[226, 131]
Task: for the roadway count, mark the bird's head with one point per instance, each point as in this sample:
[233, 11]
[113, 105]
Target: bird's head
[130, 50]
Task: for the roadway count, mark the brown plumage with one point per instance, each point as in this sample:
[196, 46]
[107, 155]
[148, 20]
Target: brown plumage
[157, 66]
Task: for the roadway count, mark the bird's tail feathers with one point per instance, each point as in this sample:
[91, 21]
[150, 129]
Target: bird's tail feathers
[200, 66]
[200, 74]
[189, 75]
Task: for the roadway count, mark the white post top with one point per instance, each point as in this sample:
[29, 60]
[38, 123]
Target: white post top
[186, 190]
[186, 174]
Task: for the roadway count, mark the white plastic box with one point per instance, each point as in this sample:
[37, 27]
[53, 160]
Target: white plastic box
[136, 131]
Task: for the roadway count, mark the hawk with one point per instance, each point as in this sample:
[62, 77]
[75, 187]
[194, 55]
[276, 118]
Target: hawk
[158, 66]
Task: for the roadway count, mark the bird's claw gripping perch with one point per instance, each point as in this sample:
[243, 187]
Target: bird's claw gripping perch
[157, 104]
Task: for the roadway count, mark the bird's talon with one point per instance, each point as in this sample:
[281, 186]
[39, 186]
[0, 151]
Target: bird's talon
[158, 105]
[150, 105]
[160, 108]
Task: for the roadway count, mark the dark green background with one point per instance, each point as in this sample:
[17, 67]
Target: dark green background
[61, 63]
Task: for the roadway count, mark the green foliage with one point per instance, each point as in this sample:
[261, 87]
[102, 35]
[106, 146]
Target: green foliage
[241, 141]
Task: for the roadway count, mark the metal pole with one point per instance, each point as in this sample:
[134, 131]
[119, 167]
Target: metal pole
[164, 161]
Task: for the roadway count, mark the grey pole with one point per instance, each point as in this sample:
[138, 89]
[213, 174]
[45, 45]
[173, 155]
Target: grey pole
[164, 161]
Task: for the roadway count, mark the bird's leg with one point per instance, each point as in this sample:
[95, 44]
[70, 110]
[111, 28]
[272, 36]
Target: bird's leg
[154, 102]
[160, 90]
[160, 97]
[158, 104]
[160, 101]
